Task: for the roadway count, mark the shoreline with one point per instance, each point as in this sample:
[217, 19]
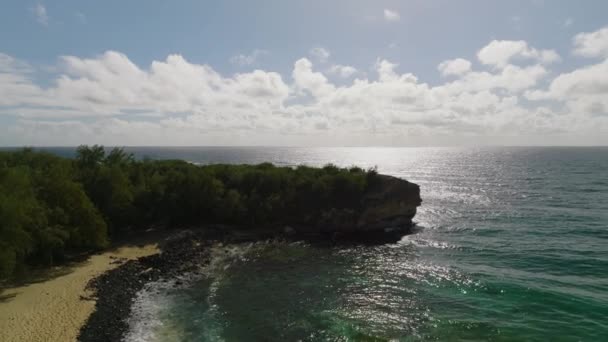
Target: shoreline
[55, 309]
[116, 289]
[92, 301]
[181, 253]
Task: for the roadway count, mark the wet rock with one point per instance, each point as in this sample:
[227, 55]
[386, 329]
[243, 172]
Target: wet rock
[116, 289]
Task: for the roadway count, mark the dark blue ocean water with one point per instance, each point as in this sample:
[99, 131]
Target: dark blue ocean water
[512, 245]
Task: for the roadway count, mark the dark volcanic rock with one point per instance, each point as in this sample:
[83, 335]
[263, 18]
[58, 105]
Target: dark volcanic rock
[387, 207]
[390, 203]
[115, 290]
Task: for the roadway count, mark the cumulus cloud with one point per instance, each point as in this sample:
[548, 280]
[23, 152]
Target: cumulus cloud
[584, 90]
[511, 78]
[499, 53]
[321, 54]
[40, 13]
[9, 64]
[391, 15]
[111, 85]
[252, 58]
[15, 83]
[307, 80]
[457, 67]
[344, 71]
[592, 44]
[110, 99]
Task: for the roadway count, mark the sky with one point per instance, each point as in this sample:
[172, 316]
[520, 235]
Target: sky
[303, 73]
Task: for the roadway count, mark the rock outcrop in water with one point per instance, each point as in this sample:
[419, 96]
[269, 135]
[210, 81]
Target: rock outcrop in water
[387, 209]
[390, 203]
[384, 214]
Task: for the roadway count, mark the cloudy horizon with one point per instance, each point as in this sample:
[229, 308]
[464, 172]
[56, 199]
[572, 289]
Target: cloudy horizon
[516, 87]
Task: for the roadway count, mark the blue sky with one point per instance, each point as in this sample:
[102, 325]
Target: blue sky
[313, 58]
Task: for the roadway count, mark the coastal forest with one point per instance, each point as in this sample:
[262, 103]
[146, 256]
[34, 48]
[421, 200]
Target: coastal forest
[52, 207]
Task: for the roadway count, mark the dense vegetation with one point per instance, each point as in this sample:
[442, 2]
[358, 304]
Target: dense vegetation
[51, 207]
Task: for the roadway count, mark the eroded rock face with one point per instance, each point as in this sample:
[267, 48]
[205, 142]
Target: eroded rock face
[390, 203]
[388, 207]
[386, 211]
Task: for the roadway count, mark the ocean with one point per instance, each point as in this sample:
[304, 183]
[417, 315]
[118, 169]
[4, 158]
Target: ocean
[511, 244]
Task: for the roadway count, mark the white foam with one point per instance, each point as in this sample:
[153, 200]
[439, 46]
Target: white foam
[420, 241]
[146, 323]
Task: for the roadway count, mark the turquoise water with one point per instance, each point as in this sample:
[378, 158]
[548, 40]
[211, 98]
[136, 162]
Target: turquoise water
[512, 245]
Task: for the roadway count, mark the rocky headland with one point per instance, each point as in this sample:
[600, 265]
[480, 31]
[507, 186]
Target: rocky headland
[385, 215]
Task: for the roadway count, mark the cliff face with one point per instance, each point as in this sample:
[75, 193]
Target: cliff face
[387, 209]
[384, 214]
[389, 204]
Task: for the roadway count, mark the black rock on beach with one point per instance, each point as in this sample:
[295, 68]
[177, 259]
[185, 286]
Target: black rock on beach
[115, 290]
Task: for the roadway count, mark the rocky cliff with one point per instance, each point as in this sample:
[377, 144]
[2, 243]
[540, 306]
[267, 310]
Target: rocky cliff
[384, 213]
[390, 203]
[387, 208]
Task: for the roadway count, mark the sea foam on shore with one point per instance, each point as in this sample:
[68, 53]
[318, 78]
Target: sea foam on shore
[148, 321]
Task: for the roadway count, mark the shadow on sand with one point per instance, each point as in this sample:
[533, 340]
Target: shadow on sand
[40, 275]
[8, 297]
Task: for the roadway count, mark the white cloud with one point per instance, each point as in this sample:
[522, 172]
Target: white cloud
[344, 71]
[15, 84]
[391, 15]
[321, 54]
[568, 22]
[111, 85]
[306, 80]
[511, 78]
[457, 67]
[589, 80]
[499, 53]
[9, 64]
[592, 44]
[40, 13]
[252, 58]
[110, 99]
[584, 90]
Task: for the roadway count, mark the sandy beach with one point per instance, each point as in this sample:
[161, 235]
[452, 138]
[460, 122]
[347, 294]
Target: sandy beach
[53, 310]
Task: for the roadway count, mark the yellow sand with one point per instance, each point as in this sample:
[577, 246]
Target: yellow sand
[53, 310]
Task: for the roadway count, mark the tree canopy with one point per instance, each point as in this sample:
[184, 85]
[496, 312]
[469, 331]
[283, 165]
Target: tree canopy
[51, 206]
